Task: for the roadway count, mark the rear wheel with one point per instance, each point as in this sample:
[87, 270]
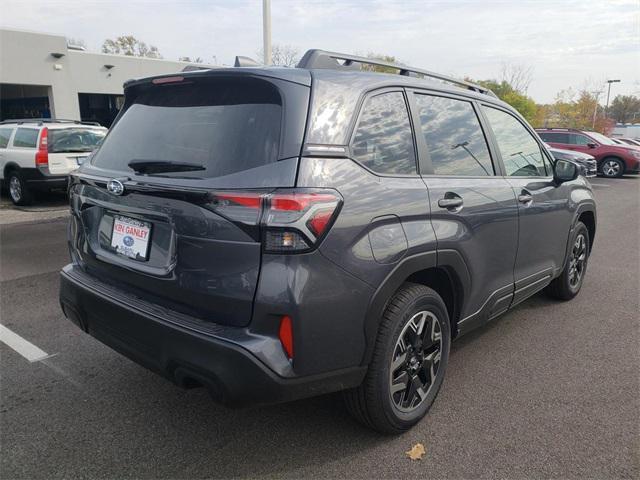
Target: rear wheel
[408, 365]
[568, 284]
[612, 167]
[18, 190]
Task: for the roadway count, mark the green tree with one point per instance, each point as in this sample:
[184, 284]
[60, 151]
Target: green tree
[625, 108]
[508, 94]
[131, 46]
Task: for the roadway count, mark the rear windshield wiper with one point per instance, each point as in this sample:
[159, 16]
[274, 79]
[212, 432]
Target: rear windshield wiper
[159, 166]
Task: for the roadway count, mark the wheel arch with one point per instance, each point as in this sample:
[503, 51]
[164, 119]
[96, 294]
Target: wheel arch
[445, 272]
[8, 168]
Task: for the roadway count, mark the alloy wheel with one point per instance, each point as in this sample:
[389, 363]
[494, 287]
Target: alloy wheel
[577, 261]
[415, 361]
[611, 168]
[15, 189]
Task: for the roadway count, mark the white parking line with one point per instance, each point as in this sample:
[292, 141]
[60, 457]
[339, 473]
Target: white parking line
[27, 349]
[604, 185]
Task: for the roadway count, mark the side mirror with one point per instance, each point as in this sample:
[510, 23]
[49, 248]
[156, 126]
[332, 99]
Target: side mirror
[565, 171]
[592, 145]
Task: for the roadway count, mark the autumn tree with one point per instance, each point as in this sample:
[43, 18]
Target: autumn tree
[625, 108]
[572, 109]
[130, 46]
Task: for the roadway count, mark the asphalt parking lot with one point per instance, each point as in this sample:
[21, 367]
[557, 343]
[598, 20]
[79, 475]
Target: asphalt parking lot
[548, 390]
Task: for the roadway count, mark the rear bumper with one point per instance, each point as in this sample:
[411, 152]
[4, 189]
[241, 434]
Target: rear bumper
[39, 180]
[184, 352]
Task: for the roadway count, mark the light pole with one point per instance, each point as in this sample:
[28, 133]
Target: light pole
[266, 31]
[606, 109]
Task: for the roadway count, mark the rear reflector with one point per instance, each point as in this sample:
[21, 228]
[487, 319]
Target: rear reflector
[286, 335]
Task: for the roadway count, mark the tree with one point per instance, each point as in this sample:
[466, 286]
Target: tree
[282, 55]
[507, 93]
[572, 109]
[625, 108]
[377, 68]
[131, 46]
[518, 76]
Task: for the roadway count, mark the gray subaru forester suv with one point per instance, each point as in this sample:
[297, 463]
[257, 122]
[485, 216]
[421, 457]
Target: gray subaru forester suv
[278, 233]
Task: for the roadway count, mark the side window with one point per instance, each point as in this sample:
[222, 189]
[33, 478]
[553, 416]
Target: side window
[521, 153]
[5, 135]
[383, 141]
[26, 137]
[454, 137]
[580, 140]
[554, 137]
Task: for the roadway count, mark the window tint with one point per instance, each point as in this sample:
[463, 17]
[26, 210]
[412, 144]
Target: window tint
[554, 137]
[26, 137]
[454, 137]
[383, 141]
[74, 139]
[5, 135]
[225, 125]
[521, 154]
[580, 140]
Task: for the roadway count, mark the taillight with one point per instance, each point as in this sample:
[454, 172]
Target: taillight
[42, 155]
[296, 221]
[287, 220]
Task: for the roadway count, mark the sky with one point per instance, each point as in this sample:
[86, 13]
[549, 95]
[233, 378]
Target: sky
[567, 43]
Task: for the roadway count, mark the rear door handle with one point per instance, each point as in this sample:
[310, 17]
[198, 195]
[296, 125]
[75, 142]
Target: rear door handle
[525, 198]
[450, 203]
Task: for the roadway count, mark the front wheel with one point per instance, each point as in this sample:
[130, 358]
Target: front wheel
[568, 284]
[612, 168]
[409, 362]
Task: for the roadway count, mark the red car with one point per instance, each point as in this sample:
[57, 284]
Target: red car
[613, 160]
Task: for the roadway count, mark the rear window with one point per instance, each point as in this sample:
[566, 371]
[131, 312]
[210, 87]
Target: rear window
[225, 125]
[5, 135]
[74, 139]
[26, 138]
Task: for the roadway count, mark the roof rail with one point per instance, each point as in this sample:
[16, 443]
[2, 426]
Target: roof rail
[41, 121]
[330, 60]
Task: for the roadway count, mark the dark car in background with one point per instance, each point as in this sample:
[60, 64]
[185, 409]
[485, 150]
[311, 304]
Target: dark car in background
[279, 233]
[587, 162]
[613, 160]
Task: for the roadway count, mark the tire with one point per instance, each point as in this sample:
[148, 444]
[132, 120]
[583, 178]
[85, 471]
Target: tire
[18, 190]
[570, 281]
[612, 167]
[413, 309]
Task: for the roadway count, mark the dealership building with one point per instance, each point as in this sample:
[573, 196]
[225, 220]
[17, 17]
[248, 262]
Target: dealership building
[42, 75]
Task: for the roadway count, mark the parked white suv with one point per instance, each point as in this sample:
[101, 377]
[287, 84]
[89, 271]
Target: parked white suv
[39, 154]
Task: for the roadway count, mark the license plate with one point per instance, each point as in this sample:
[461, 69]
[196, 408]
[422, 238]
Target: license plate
[130, 237]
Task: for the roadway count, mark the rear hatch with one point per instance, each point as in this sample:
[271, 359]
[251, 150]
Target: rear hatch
[168, 208]
[69, 147]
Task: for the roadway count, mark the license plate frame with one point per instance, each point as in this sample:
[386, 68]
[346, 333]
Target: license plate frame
[131, 237]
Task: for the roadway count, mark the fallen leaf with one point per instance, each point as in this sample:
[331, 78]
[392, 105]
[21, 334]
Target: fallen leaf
[416, 452]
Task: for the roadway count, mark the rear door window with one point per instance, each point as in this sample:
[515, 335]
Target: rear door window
[5, 135]
[454, 138]
[26, 138]
[383, 141]
[521, 154]
[226, 126]
[580, 139]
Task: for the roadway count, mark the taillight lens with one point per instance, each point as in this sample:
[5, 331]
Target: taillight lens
[296, 221]
[288, 220]
[42, 155]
